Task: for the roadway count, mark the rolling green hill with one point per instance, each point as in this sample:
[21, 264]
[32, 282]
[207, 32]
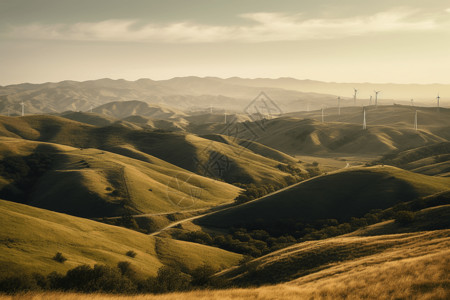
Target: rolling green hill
[429, 160]
[123, 109]
[388, 128]
[32, 236]
[97, 183]
[89, 118]
[231, 163]
[340, 195]
[321, 259]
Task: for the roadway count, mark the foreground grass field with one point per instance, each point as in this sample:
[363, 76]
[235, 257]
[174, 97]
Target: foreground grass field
[420, 273]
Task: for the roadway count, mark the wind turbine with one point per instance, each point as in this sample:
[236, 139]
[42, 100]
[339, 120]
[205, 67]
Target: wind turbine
[23, 108]
[412, 102]
[92, 107]
[438, 98]
[415, 121]
[364, 119]
[370, 100]
[354, 96]
[376, 97]
[322, 113]
[339, 105]
[225, 114]
[210, 109]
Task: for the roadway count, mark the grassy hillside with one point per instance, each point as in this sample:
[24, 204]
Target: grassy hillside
[253, 146]
[335, 253]
[431, 218]
[409, 266]
[97, 183]
[231, 163]
[388, 115]
[388, 128]
[429, 160]
[122, 109]
[341, 195]
[89, 118]
[32, 236]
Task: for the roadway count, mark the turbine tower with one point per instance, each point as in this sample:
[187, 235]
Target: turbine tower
[322, 113]
[339, 105]
[354, 96]
[412, 102]
[438, 98]
[376, 97]
[210, 109]
[225, 114]
[370, 100]
[364, 119]
[415, 121]
[23, 108]
[92, 107]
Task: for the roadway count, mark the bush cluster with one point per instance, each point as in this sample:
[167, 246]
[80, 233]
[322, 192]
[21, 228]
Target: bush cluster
[262, 236]
[119, 279]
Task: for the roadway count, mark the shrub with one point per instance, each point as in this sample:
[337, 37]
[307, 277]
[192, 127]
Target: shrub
[170, 279]
[202, 276]
[126, 269]
[18, 283]
[404, 217]
[100, 278]
[131, 254]
[59, 257]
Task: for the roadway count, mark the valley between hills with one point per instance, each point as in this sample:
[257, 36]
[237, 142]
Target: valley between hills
[174, 196]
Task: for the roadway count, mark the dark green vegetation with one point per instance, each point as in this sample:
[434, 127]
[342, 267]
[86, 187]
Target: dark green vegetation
[103, 278]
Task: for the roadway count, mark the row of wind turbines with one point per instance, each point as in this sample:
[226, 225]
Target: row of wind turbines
[364, 123]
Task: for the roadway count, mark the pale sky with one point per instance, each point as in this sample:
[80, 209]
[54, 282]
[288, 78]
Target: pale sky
[401, 41]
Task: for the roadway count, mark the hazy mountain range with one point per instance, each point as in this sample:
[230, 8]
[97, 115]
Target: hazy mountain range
[209, 93]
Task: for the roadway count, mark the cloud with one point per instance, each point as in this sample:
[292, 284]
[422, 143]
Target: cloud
[264, 27]
[448, 10]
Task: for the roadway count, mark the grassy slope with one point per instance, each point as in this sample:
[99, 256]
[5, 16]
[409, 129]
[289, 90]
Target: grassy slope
[31, 237]
[336, 253]
[341, 195]
[82, 182]
[89, 118]
[382, 241]
[429, 160]
[398, 115]
[432, 218]
[184, 150]
[388, 128]
[411, 266]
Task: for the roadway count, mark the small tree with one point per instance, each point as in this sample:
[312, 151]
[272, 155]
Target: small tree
[59, 257]
[131, 253]
[404, 217]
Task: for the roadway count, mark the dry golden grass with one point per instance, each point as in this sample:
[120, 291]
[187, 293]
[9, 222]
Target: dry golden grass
[416, 272]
